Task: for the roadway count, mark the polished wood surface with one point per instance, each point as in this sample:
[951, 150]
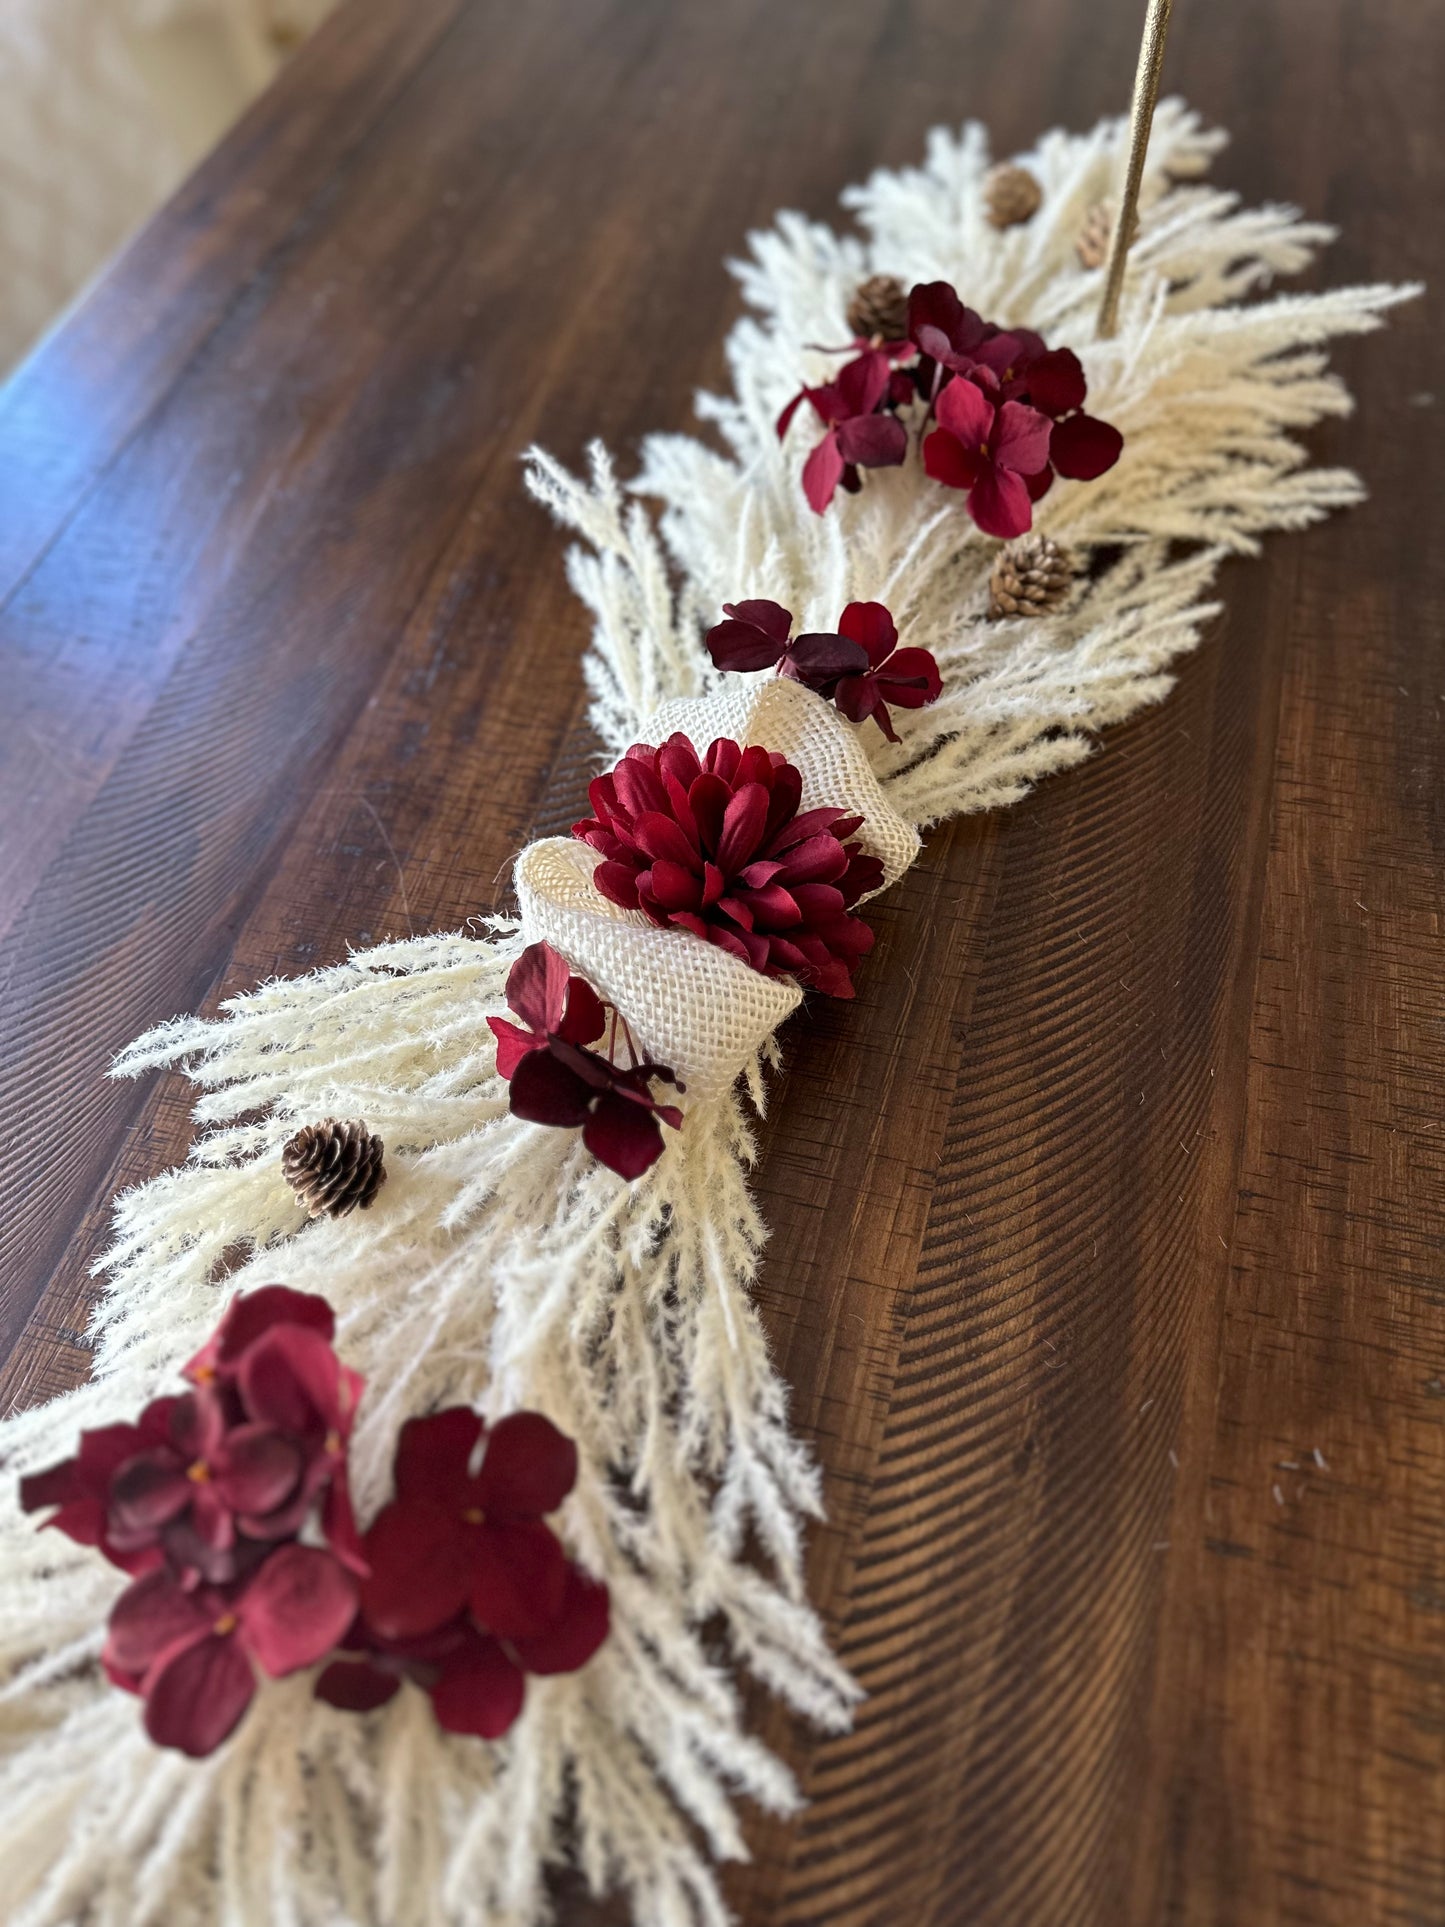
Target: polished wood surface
[1109, 1222]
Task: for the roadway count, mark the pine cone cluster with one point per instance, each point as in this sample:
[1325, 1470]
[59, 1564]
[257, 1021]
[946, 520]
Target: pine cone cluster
[1031, 577]
[334, 1167]
[879, 309]
[1011, 195]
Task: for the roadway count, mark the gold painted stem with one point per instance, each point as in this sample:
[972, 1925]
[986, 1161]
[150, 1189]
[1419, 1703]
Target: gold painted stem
[1141, 119]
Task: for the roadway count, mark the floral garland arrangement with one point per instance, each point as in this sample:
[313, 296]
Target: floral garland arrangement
[570, 1447]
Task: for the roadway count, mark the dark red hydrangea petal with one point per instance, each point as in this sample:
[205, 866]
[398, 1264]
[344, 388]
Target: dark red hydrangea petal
[418, 1578]
[822, 472]
[295, 1609]
[873, 441]
[1082, 448]
[356, 1686]
[197, 1693]
[741, 647]
[480, 1691]
[516, 1577]
[529, 1467]
[1039, 485]
[947, 460]
[818, 661]
[858, 697]
[150, 1617]
[999, 503]
[513, 1044]
[537, 987]
[871, 626]
[965, 411]
[627, 1140]
[147, 1492]
[251, 1314]
[579, 1629]
[548, 1091]
[434, 1457]
[910, 679]
[291, 1378]
[861, 384]
[257, 1469]
[1055, 382]
[773, 619]
[1021, 438]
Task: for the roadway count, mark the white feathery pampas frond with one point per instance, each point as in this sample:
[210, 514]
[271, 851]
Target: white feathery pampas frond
[500, 1265]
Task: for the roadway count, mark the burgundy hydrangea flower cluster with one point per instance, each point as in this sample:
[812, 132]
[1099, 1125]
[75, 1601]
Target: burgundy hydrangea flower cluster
[717, 845]
[469, 1589]
[556, 1079]
[204, 1499]
[1004, 413]
[458, 1585]
[860, 668]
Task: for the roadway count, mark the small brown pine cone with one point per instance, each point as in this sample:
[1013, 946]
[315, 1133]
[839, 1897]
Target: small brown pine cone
[1092, 246]
[1032, 576]
[1011, 195]
[879, 309]
[334, 1167]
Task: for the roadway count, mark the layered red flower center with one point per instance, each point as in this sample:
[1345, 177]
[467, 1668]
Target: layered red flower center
[718, 846]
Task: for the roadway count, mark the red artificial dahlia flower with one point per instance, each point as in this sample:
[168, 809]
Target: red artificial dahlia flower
[469, 1589]
[717, 847]
[988, 450]
[188, 1651]
[554, 1080]
[847, 668]
[860, 433]
[906, 678]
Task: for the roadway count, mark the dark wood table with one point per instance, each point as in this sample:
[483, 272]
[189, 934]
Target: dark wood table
[1109, 1223]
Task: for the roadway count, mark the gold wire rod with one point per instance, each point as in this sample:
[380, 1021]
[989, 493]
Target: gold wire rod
[1141, 119]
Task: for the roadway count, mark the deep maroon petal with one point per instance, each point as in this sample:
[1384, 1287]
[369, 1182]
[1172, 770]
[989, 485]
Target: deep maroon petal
[149, 1490]
[1039, 485]
[1021, 438]
[434, 1455]
[743, 821]
[579, 1629]
[857, 697]
[818, 660]
[516, 1575]
[150, 1616]
[742, 646]
[296, 1609]
[480, 1691]
[947, 460]
[627, 1140]
[338, 1523]
[965, 411]
[659, 836]
[1083, 448]
[512, 1044]
[250, 1314]
[910, 679]
[196, 1694]
[862, 383]
[1000, 505]
[1055, 382]
[537, 986]
[870, 624]
[545, 1091]
[708, 799]
[529, 1466]
[822, 472]
[638, 785]
[417, 1553]
[771, 617]
[257, 1469]
[617, 883]
[873, 441]
[291, 1378]
[356, 1686]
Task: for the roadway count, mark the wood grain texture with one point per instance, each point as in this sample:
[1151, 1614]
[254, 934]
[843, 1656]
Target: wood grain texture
[1108, 1222]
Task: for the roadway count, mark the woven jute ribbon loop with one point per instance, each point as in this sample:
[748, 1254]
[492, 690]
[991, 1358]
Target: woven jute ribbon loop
[691, 1005]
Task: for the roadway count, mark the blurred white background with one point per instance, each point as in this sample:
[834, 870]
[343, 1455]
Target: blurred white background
[105, 105]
